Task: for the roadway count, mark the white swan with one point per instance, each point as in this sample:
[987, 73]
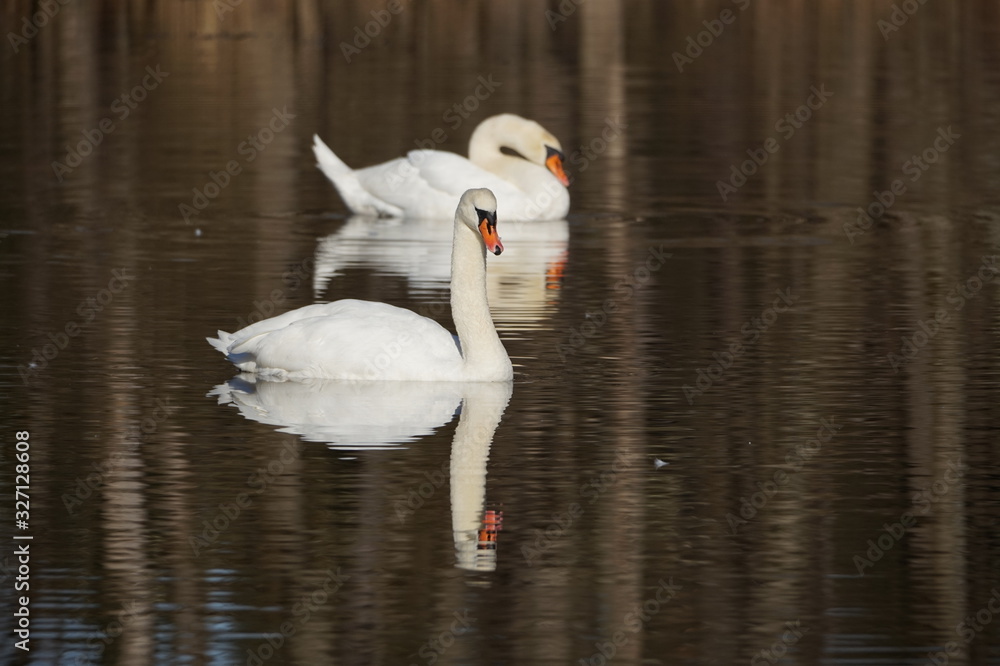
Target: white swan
[362, 340]
[428, 183]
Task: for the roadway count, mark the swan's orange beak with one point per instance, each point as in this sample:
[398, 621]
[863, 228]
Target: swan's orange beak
[488, 228]
[554, 162]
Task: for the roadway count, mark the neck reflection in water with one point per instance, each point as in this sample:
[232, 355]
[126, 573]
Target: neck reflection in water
[361, 416]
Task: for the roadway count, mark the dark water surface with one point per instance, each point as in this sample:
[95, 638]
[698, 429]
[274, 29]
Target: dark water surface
[747, 425]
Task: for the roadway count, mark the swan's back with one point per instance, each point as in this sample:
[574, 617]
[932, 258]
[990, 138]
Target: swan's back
[348, 339]
[429, 183]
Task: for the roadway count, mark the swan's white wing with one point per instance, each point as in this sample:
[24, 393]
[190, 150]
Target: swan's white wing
[281, 321]
[351, 339]
[454, 174]
[228, 342]
[430, 183]
[524, 191]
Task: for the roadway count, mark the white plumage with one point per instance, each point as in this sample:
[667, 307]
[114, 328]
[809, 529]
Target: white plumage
[428, 183]
[363, 340]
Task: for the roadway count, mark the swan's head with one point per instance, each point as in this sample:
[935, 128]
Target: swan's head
[478, 210]
[524, 137]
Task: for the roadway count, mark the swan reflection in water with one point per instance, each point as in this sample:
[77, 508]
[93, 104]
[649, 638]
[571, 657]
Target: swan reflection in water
[521, 291]
[358, 415]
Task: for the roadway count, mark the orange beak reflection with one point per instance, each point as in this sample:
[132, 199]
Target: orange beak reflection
[488, 228]
[554, 162]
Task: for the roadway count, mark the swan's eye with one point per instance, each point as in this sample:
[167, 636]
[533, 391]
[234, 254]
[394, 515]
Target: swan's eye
[550, 151]
[554, 160]
[487, 217]
[488, 229]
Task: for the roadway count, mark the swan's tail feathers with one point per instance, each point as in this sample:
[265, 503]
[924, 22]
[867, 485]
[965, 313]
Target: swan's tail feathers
[328, 162]
[345, 179]
[222, 342]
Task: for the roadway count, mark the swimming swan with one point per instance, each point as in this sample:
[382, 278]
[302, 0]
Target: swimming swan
[363, 340]
[428, 183]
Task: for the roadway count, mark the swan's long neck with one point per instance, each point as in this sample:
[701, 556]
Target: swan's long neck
[484, 149]
[532, 178]
[484, 144]
[482, 350]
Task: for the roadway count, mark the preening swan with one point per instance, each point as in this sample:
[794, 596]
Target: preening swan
[353, 339]
[428, 183]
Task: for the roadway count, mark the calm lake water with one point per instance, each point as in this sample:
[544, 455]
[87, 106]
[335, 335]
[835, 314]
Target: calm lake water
[754, 418]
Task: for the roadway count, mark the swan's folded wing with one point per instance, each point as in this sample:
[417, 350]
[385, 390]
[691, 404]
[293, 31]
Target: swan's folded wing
[430, 183]
[240, 338]
[355, 340]
[453, 174]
